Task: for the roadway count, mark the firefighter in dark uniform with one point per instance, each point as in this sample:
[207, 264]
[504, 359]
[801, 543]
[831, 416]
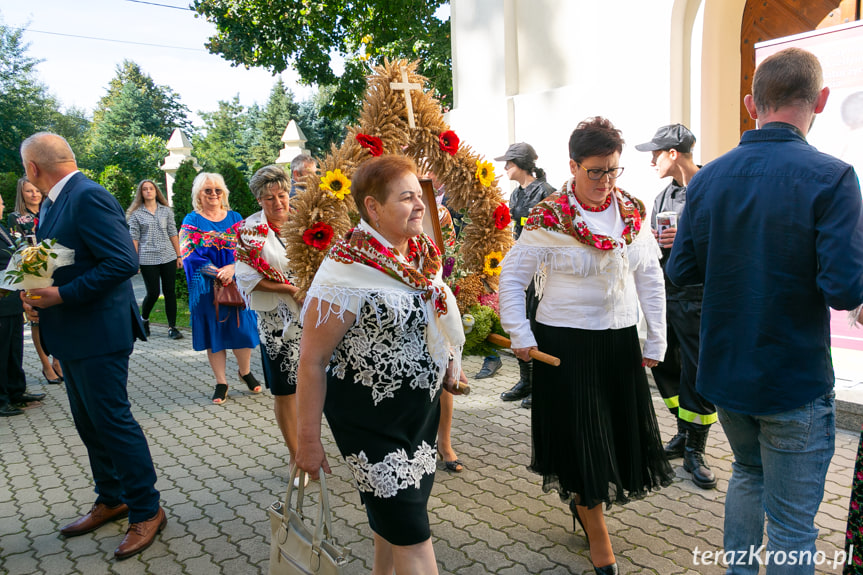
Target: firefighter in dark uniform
[675, 377]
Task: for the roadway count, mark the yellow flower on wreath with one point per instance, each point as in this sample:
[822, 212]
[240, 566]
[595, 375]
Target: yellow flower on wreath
[484, 172]
[336, 184]
[492, 267]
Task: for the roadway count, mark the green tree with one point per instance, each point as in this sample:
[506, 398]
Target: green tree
[8, 191]
[241, 198]
[305, 34]
[161, 100]
[131, 124]
[271, 123]
[74, 125]
[118, 184]
[26, 106]
[181, 192]
[227, 135]
[138, 157]
[181, 200]
[321, 131]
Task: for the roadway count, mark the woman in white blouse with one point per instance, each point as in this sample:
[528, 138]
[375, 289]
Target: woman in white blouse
[595, 436]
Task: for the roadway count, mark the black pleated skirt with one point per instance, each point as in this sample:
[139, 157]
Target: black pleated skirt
[595, 435]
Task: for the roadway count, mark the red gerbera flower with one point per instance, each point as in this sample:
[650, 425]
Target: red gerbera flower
[449, 142]
[372, 143]
[318, 236]
[501, 216]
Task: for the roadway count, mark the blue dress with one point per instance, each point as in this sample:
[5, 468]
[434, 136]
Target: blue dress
[206, 247]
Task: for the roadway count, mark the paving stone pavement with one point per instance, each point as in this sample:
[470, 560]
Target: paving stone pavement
[220, 467]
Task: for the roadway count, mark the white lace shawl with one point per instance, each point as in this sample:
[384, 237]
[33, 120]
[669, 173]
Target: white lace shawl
[347, 287]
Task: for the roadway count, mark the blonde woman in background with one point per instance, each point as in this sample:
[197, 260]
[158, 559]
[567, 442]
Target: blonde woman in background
[208, 238]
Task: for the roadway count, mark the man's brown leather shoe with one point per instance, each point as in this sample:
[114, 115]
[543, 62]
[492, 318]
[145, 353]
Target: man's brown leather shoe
[99, 515]
[141, 535]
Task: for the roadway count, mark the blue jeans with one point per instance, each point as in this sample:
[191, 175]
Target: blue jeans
[780, 465]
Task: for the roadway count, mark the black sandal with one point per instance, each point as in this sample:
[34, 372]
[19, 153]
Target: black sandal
[220, 396]
[454, 466]
[252, 383]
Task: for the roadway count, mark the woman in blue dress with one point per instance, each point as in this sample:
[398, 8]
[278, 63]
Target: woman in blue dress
[208, 238]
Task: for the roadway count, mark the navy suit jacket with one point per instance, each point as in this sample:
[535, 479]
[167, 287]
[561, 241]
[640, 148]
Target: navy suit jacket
[99, 314]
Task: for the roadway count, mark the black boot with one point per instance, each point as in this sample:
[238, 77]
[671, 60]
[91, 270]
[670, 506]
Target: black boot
[523, 386]
[674, 448]
[693, 458]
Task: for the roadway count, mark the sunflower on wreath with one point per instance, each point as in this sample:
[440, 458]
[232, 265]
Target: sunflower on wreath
[336, 184]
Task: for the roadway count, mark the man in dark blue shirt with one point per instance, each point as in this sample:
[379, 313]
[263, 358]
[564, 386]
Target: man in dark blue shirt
[774, 231]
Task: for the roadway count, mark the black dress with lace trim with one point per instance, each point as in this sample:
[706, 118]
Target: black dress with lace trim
[383, 408]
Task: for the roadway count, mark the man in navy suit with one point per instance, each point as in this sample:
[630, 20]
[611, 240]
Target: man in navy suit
[89, 320]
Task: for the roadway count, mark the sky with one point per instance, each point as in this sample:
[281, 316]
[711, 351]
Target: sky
[77, 70]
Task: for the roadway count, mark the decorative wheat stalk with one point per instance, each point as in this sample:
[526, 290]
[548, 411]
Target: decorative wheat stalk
[399, 117]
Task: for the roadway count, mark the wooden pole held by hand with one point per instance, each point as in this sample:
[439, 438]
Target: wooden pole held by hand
[535, 354]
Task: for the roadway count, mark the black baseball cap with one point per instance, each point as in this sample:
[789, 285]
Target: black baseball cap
[675, 136]
[520, 151]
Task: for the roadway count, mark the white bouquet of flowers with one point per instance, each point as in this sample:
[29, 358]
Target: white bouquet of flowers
[32, 266]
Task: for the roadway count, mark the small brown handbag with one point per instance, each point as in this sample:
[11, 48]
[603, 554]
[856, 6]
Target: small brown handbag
[228, 296]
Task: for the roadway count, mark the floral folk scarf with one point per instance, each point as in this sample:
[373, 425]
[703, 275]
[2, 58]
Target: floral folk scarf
[557, 213]
[363, 248]
[250, 245]
[363, 268]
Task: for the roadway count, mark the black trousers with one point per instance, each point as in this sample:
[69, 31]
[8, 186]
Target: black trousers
[152, 275]
[13, 383]
[675, 377]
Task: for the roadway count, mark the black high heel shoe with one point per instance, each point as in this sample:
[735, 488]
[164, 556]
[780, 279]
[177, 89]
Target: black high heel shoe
[576, 520]
[54, 381]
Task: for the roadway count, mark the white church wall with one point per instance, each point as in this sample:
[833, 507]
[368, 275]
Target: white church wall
[572, 59]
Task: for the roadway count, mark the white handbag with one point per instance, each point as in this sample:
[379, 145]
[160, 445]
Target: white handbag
[299, 547]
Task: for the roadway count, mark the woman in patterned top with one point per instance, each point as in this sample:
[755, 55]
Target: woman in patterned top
[23, 223]
[208, 238]
[154, 233]
[28, 199]
[264, 279]
[381, 335]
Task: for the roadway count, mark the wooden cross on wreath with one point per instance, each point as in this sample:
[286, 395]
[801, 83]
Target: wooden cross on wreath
[407, 87]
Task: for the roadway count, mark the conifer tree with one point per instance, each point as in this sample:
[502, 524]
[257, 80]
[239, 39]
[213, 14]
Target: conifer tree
[181, 192]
